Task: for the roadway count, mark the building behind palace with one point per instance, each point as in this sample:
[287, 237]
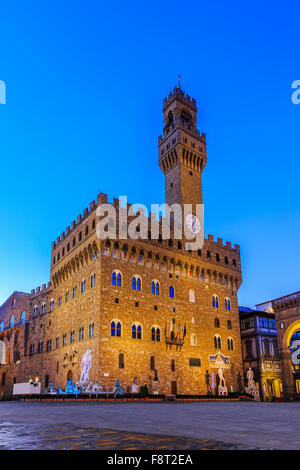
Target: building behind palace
[138, 305]
[287, 314]
[260, 351]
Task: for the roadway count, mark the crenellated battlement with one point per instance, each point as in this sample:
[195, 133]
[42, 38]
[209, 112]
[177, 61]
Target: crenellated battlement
[40, 289]
[219, 251]
[178, 94]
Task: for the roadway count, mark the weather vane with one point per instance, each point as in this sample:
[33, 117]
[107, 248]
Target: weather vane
[179, 81]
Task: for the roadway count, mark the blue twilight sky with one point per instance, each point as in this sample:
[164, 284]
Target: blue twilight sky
[85, 83]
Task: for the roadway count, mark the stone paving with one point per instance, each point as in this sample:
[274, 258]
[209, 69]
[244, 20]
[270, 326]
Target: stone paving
[205, 425]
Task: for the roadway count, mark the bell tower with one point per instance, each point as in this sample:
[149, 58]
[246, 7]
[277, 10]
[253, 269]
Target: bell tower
[182, 150]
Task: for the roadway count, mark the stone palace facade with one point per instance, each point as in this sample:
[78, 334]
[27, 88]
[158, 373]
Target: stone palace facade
[139, 305]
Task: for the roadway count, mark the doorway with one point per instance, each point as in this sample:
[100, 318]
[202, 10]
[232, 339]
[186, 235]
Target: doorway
[174, 388]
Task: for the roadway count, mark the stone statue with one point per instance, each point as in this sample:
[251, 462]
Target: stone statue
[222, 389]
[134, 386]
[86, 364]
[251, 387]
[207, 381]
[250, 377]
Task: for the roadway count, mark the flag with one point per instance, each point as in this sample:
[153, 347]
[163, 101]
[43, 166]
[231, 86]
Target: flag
[178, 332]
[171, 327]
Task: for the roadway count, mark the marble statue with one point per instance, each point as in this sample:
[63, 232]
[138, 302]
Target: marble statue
[222, 389]
[250, 377]
[86, 364]
[134, 386]
[251, 387]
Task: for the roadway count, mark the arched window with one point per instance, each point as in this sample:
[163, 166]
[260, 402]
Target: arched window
[93, 279]
[155, 288]
[51, 305]
[217, 323]
[91, 330]
[171, 292]
[152, 363]
[12, 321]
[83, 285]
[72, 337]
[139, 332]
[215, 301]
[43, 308]
[227, 304]
[115, 329]
[116, 279]
[155, 333]
[158, 334]
[230, 344]
[81, 333]
[153, 336]
[136, 283]
[22, 318]
[217, 342]
[136, 331]
[229, 326]
[35, 310]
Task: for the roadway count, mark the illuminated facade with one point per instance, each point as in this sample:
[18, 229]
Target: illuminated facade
[287, 314]
[260, 351]
[138, 305]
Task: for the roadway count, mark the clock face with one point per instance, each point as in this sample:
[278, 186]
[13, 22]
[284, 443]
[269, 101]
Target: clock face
[193, 223]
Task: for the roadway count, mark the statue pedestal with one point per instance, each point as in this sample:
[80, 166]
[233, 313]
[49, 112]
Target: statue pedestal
[134, 388]
[252, 390]
[222, 390]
